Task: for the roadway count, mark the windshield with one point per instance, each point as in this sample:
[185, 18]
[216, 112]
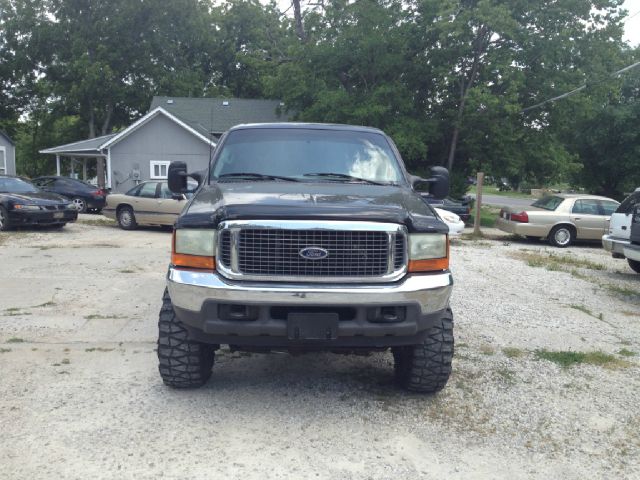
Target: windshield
[16, 185]
[308, 155]
[548, 203]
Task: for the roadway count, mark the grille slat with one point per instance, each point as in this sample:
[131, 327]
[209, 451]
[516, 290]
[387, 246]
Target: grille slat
[276, 252]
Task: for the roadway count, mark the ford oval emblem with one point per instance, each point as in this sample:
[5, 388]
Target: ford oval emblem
[314, 253]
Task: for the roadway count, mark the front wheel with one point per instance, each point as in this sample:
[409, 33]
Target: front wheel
[562, 236]
[183, 363]
[80, 204]
[4, 220]
[126, 218]
[426, 367]
[634, 264]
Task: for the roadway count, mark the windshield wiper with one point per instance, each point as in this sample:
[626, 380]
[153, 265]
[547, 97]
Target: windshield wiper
[342, 176]
[258, 176]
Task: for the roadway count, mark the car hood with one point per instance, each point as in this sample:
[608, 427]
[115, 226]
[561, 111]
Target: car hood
[36, 198]
[302, 200]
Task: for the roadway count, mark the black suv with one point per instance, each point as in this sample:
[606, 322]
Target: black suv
[307, 237]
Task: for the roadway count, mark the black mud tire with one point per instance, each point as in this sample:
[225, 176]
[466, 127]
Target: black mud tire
[562, 236]
[183, 363]
[5, 225]
[426, 368]
[634, 264]
[126, 218]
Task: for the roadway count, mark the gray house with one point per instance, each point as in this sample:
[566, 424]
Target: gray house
[175, 128]
[7, 155]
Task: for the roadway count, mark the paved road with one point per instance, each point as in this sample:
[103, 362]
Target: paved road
[503, 201]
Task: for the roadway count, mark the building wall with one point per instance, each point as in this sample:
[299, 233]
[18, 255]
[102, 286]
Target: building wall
[10, 154]
[160, 139]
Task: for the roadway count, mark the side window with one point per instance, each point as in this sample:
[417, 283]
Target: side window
[164, 191]
[629, 203]
[43, 182]
[158, 169]
[586, 207]
[135, 191]
[608, 207]
[148, 190]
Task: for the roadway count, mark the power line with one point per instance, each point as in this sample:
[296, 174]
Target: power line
[579, 89]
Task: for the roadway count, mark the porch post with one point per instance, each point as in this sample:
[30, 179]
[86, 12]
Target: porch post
[84, 169]
[73, 167]
[108, 168]
[58, 165]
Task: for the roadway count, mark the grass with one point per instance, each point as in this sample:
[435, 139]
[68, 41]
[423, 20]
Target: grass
[98, 349]
[5, 350]
[96, 316]
[626, 353]
[513, 352]
[487, 350]
[127, 270]
[566, 359]
[582, 309]
[106, 222]
[491, 190]
[556, 262]
[15, 340]
[624, 291]
[488, 216]
[65, 361]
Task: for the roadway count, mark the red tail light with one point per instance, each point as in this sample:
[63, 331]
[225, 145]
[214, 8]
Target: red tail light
[98, 193]
[521, 217]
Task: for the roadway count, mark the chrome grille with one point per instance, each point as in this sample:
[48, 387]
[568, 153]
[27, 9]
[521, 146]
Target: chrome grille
[258, 251]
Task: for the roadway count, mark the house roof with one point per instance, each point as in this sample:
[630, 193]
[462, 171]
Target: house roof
[5, 135]
[198, 132]
[217, 115]
[83, 147]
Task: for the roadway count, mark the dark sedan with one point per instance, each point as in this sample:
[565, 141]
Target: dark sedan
[22, 204]
[460, 208]
[85, 197]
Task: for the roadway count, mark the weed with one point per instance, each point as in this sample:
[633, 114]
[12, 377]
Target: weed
[5, 350]
[15, 340]
[624, 291]
[487, 350]
[582, 309]
[569, 358]
[127, 270]
[45, 304]
[626, 353]
[97, 316]
[98, 349]
[507, 375]
[106, 222]
[513, 352]
[65, 361]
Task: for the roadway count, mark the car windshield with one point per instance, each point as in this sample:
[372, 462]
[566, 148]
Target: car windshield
[307, 155]
[16, 185]
[548, 203]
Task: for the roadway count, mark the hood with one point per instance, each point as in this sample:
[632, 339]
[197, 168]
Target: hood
[305, 200]
[35, 198]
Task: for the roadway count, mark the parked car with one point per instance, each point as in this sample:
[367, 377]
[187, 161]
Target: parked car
[22, 204]
[562, 218]
[461, 208]
[618, 236]
[85, 197]
[149, 203]
[453, 221]
[632, 251]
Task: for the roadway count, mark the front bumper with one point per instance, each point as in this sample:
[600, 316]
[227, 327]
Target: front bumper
[632, 252]
[615, 245]
[41, 217]
[199, 300]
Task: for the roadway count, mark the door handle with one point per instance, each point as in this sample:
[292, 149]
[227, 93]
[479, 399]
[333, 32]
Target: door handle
[576, 218]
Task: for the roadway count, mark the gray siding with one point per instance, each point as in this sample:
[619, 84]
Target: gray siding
[159, 139]
[10, 153]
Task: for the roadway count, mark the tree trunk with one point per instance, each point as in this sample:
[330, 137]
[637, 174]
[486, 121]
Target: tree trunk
[297, 14]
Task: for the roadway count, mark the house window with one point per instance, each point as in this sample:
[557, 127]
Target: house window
[159, 170]
[3, 161]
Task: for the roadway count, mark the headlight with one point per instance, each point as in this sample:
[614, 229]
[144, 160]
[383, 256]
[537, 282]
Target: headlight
[448, 217]
[428, 252]
[70, 206]
[194, 248]
[26, 207]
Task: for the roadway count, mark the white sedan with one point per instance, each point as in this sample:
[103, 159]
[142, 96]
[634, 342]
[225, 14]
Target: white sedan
[453, 221]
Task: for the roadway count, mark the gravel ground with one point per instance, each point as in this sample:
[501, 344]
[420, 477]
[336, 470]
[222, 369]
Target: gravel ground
[80, 396]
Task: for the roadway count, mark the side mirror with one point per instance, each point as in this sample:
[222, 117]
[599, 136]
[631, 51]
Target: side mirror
[177, 178]
[438, 182]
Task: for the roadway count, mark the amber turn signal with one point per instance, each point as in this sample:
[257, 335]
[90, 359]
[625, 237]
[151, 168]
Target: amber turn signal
[193, 261]
[428, 265]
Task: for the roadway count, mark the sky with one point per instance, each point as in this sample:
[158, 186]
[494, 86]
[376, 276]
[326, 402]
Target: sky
[632, 25]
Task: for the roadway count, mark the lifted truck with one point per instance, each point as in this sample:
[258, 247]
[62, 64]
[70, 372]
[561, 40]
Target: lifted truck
[308, 237]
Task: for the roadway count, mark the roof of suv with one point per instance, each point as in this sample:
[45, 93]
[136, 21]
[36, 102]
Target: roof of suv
[302, 125]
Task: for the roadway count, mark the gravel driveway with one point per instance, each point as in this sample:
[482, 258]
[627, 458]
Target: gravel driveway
[80, 396]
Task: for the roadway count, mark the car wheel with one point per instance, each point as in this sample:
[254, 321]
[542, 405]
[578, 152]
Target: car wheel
[634, 264]
[4, 220]
[562, 236]
[426, 367]
[183, 363]
[126, 218]
[80, 204]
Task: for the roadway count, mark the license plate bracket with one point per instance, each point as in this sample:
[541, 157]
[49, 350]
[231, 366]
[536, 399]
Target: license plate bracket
[312, 326]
